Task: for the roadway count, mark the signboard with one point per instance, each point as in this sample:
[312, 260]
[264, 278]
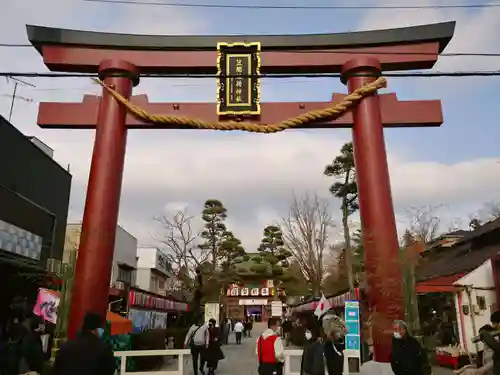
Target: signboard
[249, 292]
[352, 339]
[352, 357]
[46, 305]
[161, 263]
[238, 79]
[277, 308]
[212, 311]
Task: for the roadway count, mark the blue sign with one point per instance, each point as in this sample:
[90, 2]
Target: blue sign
[352, 328]
[351, 317]
[352, 314]
[352, 342]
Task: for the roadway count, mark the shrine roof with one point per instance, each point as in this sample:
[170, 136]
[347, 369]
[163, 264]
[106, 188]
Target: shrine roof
[440, 32]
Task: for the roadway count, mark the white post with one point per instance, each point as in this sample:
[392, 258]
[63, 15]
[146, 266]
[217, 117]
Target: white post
[123, 364]
[181, 364]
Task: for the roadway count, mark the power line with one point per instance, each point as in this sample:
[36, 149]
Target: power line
[478, 73]
[294, 7]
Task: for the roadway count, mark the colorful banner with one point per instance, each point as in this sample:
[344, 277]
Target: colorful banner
[46, 305]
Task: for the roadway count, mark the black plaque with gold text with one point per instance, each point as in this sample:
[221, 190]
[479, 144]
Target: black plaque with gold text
[238, 79]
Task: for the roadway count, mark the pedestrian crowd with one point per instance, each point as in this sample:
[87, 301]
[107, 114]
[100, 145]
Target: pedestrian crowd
[205, 341]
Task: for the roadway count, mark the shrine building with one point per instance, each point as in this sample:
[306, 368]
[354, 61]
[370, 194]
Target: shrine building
[250, 300]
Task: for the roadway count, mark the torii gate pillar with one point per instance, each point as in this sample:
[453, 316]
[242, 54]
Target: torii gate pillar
[97, 241]
[380, 238]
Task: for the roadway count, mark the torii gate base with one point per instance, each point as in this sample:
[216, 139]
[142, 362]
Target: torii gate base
[396, 49]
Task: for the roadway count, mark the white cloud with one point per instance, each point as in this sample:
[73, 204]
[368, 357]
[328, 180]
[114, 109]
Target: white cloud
[475, 32]
[252, 174]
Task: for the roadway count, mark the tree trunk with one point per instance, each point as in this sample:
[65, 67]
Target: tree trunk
[348, 248]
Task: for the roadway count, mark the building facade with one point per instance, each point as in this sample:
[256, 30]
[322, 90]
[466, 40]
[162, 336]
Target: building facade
[34, 197]
[250, 300]
[153, 270]
[123, 274]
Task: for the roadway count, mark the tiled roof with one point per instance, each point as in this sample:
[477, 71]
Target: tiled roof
[461, 258]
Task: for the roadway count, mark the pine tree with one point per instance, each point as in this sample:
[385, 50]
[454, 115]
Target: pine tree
[274, 256]
[343, 168]
[214, 214]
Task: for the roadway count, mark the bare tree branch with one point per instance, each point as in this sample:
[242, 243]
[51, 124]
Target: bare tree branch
[179, 239]
[424, 222]
[306, 233]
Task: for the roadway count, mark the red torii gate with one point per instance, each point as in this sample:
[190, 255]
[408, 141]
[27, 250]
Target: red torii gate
[359, 56]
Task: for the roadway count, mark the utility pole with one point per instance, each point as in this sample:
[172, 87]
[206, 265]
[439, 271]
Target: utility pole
[14, 96]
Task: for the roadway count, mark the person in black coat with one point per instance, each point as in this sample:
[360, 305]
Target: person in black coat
[312, 356]
[407, 355]
[88, 354]
[213, 354]
[334, 353]
[32, 355]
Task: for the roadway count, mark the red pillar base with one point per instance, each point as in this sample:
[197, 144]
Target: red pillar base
[95, 254]
[382, 265]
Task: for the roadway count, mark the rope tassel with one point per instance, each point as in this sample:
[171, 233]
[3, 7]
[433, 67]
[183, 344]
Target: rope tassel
[330, 113]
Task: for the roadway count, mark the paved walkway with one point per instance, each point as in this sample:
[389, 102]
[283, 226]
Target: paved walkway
[240, 359]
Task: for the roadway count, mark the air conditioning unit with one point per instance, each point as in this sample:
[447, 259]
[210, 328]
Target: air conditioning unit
[120, 285]
[162, 291]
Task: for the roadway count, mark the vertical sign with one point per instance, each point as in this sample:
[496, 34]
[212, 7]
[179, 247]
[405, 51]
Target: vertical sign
[353, 338]
[238, 79]
[352, 353]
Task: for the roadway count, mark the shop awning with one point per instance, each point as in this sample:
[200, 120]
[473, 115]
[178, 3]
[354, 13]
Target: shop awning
[443, 284]
[119, 324]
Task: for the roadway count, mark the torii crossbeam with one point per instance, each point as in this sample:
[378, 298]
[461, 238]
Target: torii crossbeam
[359, 56]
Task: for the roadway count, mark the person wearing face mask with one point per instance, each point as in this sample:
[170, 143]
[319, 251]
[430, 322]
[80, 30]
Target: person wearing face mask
[270, 351]
[407, 355]
[87, 354]
[312, 356]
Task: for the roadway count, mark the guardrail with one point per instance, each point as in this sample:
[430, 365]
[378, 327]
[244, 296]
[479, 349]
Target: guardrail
[150, 353]
[291, 353]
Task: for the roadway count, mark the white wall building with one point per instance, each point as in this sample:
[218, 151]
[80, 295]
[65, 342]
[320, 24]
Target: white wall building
[124, 255]
[474, 311]
[153, 270]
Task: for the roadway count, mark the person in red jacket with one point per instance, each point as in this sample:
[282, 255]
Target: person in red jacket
[270, 351]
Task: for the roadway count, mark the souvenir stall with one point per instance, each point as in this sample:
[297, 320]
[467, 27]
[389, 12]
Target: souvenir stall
[149, 311]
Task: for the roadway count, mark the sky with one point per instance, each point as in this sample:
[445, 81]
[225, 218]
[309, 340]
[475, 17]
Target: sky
[456, 166]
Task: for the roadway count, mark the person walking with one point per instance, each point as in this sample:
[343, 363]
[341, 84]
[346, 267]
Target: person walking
[249, 327]
[238, 331]
[312, 362]
[407, 355]
[334, 353]
[197, 340]
[87, 353]
[270, 351]
[213, 354]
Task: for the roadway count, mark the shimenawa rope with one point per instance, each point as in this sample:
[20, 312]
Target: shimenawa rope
[330, 113]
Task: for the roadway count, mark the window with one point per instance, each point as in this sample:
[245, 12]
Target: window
[481, 302]
[124, 275]
[154, 284]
